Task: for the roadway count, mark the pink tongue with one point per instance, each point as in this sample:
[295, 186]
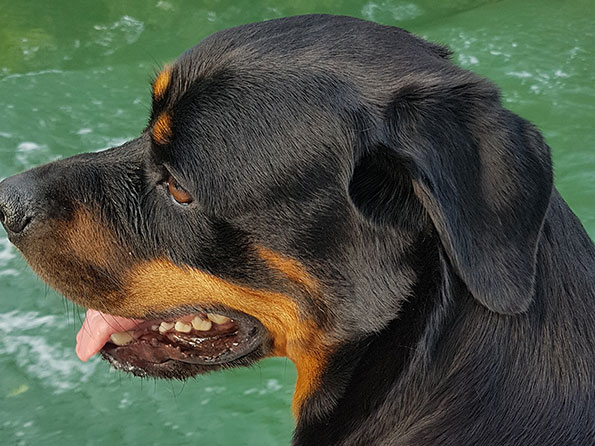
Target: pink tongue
[96, 330]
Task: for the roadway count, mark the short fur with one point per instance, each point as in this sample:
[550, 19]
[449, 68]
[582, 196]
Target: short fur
[454, 298]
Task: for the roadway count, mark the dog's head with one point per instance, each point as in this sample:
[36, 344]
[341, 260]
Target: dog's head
[295, 179]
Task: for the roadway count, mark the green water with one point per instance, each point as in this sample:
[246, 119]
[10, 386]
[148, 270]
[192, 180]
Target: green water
[74, 76]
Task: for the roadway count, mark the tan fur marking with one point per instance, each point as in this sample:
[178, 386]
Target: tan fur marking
[89, 240]
[290, 268]
[161, 83]
[160, 285]
[77, 256]
[162, 129]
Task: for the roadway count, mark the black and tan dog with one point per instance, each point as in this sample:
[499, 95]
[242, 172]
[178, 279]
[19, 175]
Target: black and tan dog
[339, 193]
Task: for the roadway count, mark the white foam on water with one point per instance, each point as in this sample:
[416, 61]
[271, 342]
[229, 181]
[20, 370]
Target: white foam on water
[166, 6]
[126, 401]
[7, 251]
[114, 142]
[467, 59]
[379, 10]
[28, 146]
[55, 365]
[542, 79]
[9, 272]
[519, 74]
[127, 28]
[16, 320]
[560, 73]
[31, 73]
[215, 389]
[30, 153]
[271, 386]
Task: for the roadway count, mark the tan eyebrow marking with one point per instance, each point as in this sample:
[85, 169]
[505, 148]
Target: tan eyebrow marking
[162, 129]
[161, 82]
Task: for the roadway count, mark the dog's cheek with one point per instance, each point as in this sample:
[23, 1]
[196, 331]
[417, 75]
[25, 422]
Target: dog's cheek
[157, 286]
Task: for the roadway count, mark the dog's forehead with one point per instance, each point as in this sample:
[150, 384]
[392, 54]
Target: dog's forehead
[290, 48]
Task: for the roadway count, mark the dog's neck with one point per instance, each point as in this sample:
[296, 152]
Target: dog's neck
[356, 382]
[449, 371]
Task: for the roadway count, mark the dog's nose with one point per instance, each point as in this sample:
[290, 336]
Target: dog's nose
[17, 203]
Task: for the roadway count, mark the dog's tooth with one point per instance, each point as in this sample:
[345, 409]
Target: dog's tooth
[217, 318]
[165, 327]
[200, 324]
[121, 338]
[183, 327]
[155, 327]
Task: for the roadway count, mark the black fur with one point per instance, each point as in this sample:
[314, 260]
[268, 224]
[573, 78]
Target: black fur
[458, 288]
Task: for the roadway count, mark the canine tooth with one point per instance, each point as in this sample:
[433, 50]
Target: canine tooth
[184, 328]
[165, 327]
[121, 338]
[201, 324]
[217, 318]
[155, 327]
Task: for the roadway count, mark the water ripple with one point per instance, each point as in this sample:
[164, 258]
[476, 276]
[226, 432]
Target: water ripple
[378, 11]
[7, 252]
[52, 363]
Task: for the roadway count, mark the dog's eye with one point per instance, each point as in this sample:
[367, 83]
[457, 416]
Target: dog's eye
[178, 192]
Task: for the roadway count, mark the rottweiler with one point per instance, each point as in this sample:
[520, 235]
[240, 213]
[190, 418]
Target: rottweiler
[339, 193]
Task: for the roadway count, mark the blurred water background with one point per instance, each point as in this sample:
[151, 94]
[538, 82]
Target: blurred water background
[74, 76]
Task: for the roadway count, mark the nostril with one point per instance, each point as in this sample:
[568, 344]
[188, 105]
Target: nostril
[15, 216]
[19, 203]
[20, 226]
[16, 222]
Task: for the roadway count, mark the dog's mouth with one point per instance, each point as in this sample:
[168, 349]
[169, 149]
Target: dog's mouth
[173, 347]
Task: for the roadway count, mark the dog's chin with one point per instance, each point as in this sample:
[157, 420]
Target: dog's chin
[171, 368]
[155, 348]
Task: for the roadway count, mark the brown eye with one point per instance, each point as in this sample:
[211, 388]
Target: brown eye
[178, 192]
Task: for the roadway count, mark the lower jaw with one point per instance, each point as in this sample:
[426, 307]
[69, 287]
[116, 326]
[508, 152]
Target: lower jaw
[172, 354]
[174, 369]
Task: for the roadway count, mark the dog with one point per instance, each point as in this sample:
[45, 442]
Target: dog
[336, 192]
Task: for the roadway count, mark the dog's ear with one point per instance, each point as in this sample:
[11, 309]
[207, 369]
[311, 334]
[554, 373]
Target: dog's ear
[484, 177]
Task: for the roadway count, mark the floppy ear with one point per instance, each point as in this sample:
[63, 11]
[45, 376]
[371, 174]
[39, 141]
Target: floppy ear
[484, 177]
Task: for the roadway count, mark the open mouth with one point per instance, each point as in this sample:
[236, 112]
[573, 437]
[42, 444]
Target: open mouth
[173, 347]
